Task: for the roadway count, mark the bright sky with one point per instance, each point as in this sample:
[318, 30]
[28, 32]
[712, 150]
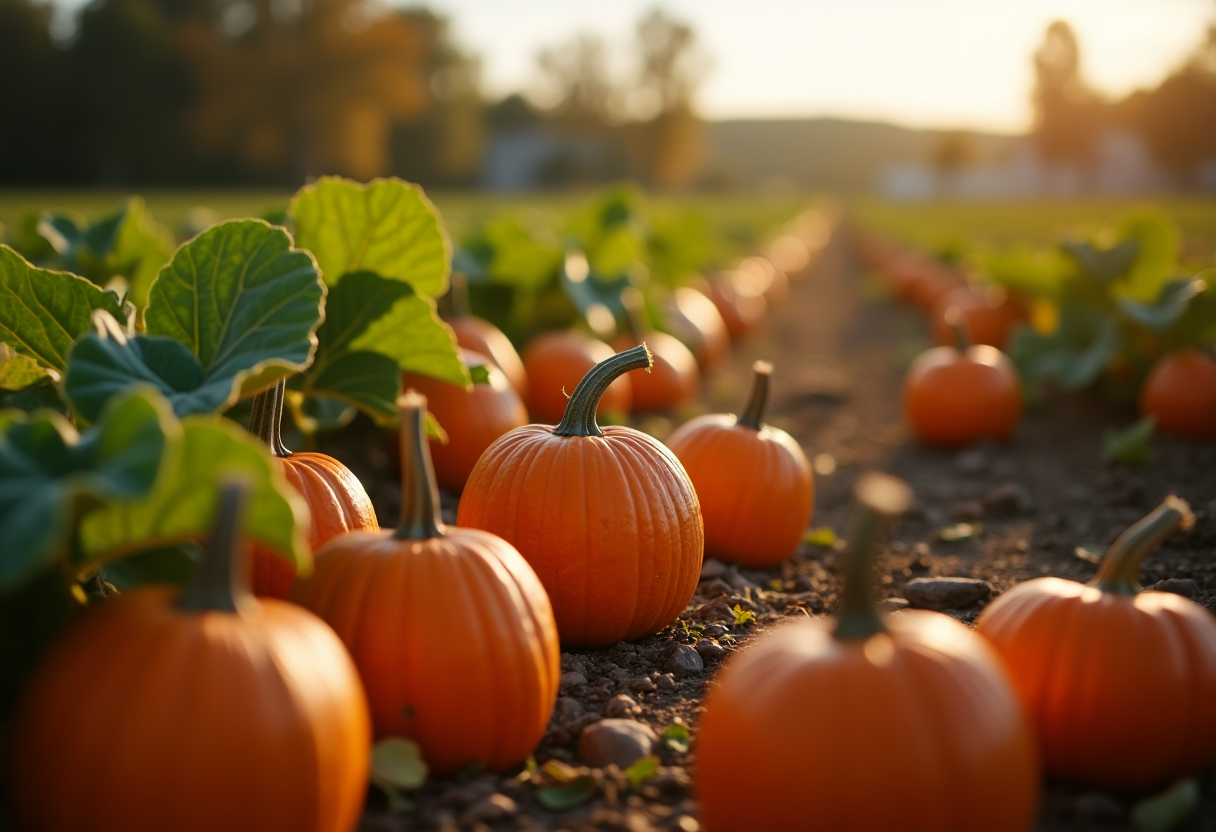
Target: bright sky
[940, 63]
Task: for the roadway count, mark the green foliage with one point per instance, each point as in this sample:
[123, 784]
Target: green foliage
[642, 770]
[1167, 810]
[1131, 445]
[961, 531]
[677, 737]
[743, 616]
[397, 766]
[568, 795]
[822, 538]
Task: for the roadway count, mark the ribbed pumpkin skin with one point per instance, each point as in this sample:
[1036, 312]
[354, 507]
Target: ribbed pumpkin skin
[337, 503]
[672, 380]
[755, 488]
[610, 523]
[472, 419]
[557, 362]
[453, 636]
[482, 337]
[915, 729]
[146, 719]
[1092, 666]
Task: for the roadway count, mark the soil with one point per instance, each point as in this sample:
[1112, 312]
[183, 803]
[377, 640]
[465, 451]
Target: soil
[840, 353]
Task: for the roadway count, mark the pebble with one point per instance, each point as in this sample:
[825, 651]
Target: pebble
[684, 661]
[642, 685]
[709, 649]
[713, 588]
[616, 741]
[712, 569]
[567, 710]
[620, 675]
[493, 808]
[665, 681]
[1096, 806]
[471, 792]
[972, 461]
[801, 584]
[737, 581]
[893, 604]
[1185, 587]
[946, 593]
[714, 631]
[621, 706]
[967, 512]
[1007, 500]
[572, 679]
[687, 823]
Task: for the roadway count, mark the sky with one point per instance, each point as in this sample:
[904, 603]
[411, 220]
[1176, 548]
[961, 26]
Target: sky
[925, 63]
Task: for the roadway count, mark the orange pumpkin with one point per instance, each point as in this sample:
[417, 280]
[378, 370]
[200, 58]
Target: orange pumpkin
[471, 418]
[956, 395]
[450, 628]
[1092, 661]
[673, 378]
[740, 303]
[753, 481]
[866, 724]
[211, 711]
[761, 274]
[482, 337]
[1180, 392]
[607, 518]
[988, 315]
[556, 361]
[337, 502]
[694, 319]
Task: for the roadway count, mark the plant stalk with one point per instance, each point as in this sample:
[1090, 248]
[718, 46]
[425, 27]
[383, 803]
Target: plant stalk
[1121, 565]
[753, 415]
[880, 498]
[579, 417]
[221, 583]
[420, 518]
[266, 418]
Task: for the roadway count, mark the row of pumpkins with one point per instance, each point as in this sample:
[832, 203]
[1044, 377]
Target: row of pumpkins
[216, 710]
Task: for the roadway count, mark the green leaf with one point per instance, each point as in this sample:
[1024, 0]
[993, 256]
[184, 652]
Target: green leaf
[387, 226]
[743, 616]
[1155, 238]
[1089, 552]
[173, 565]
[676, 736]
[478, 374]
[49, 474]
[413, 335]
[1066, 356]
[398, 762]
[568, 795]
[242, 300]
[1130, 445]
[560, 771]
[1167, 309]
[18, 371]
[1099, 264]
[960, 531]
[822, 537]
[181, 506]
[642, 770]
[43, 312]
[1166, 810]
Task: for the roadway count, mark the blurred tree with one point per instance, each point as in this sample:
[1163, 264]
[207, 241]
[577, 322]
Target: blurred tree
[1068, 113]
[953, 151]
[575, 83]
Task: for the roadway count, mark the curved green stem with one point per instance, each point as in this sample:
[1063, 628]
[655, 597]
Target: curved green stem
[634, 304]
[753, 415]
[420, 518]
[962, 341]
[266, 418]
[579, 418]
[1120, 566]
[221, 583]
[880, 498]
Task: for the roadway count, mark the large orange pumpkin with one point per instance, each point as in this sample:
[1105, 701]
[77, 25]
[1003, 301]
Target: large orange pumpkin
[1092, 662]
[211, 711]
[753, 481]
[450, 628]
[866, 724]
[471, 418]
[607, 518]
[556, 361]
[1180, 392]
[337, 502]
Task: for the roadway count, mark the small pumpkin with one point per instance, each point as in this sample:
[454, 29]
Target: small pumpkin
[1092, 661]
[337, 502]
[1180, 392]
[753, 480]
[607, 517]
[989, 315]
[449, 627]
[908, 723]
[556, 361]
[482, 337]
[695, 320]
[759, 272]
[956, 395]
[740, 302]
[207, 711]
[471, 418]
[673, 378]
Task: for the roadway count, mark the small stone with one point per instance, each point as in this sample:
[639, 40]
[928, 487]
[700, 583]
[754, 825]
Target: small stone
[642, 685]
[713, 588]
[620, 675]
[736, 581]
[946, 593]
[687, 823]
[716, 610]
[684, 661]
[1007, 500]
[466, 794]
[672, 779]
[1185, 587]
[621, 706]
[803, 584]
[1096, 806]
[616, 741]
[893, 604]
[567, 710]
[493, 808]
[972, 461]
[665, 681]
[967, 512]
[712, 569]
[709, 649]
[572, 679]
[714, 631]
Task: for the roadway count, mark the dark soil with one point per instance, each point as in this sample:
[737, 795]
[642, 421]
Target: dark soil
[840, 353]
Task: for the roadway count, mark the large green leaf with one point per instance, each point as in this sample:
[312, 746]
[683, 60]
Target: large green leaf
[16, 370]
[242, 299]
[183, 503]
[43, 312]
[49, 473]
[1068, 356]
[1155, 237]
[413, 335]
[387, 226]
[1168, 307]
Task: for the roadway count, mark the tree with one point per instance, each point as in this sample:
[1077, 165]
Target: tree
[575, 83]
[1068, 113]
[1178, 118]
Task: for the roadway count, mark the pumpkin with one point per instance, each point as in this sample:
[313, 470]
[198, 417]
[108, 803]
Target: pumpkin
[1093, 661]
[449, 628]
[1180, 392]
[791, 255]
[336, 500]
[695, 320]
[753, 481]
[989, 315]
[555, 361]
[740, 302]
[483, 338]
[908, 723]
[471, 418]
[956, 395]
[607, 517]
[761, 273]
[207, 711]
[673, 378]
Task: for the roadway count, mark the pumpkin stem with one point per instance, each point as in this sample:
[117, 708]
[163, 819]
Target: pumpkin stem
[880, 497]
[459, 295]
[962, 341]
[1121, 564]
[579, 418]
[221, 582]
[266, 418]
[753, 415]
[634, 304]
[420, 519]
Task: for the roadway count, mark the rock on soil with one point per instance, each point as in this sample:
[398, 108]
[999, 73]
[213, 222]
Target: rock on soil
[684, 661]
[946, 593]
[620, 742]
[1179, 586]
